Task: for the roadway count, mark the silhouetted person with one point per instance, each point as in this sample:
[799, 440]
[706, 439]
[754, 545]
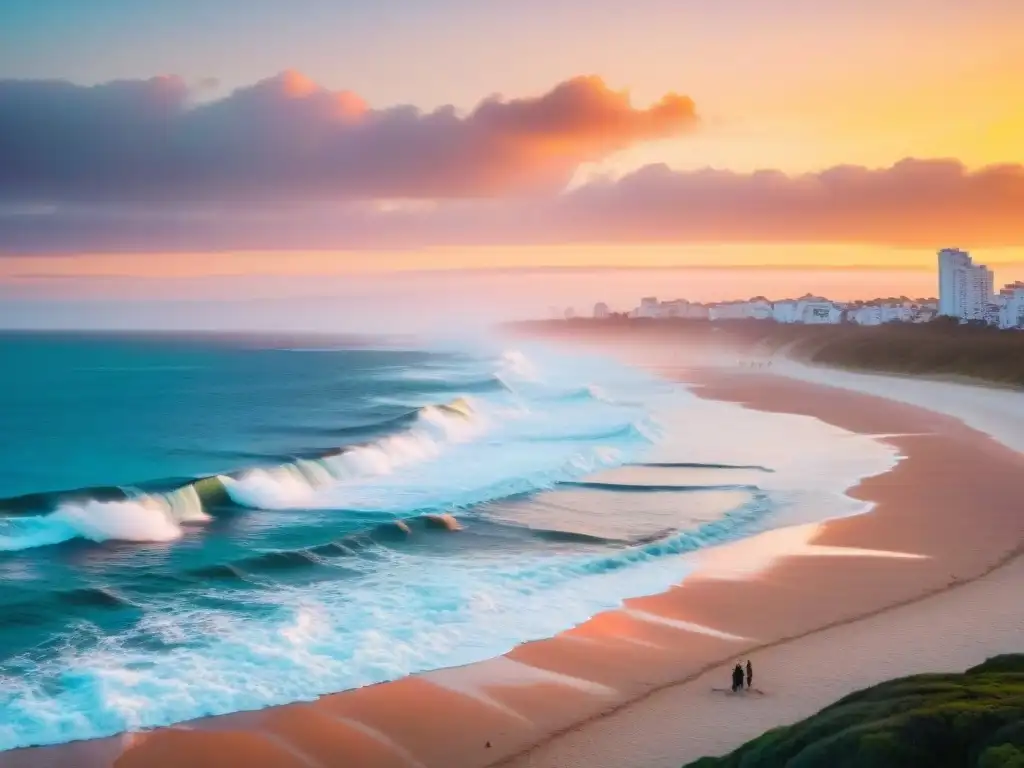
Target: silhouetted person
[750, 674]
[737, 678]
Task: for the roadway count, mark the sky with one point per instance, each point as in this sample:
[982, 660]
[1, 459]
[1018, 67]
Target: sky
[255, 151]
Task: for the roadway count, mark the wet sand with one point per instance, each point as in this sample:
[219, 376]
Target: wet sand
[923, 581]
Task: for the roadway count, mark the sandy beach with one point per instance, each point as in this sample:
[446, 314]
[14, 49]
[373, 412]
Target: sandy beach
[923, 582]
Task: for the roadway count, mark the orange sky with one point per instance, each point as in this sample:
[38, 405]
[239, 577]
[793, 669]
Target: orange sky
[787, 85]
[640, 256]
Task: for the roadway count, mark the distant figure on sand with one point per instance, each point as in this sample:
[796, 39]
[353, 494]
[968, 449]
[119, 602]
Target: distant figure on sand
[750, 675]
[737, 678]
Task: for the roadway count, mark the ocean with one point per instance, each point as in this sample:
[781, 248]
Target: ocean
[194, 525]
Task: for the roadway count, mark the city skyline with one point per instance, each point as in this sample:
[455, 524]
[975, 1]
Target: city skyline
[966, 292]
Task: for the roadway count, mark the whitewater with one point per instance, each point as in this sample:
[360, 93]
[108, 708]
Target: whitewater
[194, 526]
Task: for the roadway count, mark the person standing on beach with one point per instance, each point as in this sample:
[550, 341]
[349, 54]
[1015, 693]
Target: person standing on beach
[737, 678]
[750, 674]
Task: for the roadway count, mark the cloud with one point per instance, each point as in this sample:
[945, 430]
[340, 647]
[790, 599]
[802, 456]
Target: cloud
[146, 165]
[288, 139]
[916, 203]
[913, 202]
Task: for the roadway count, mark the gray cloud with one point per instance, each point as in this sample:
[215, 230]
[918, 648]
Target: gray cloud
[919, 203]
[287, 139]
[913, 202]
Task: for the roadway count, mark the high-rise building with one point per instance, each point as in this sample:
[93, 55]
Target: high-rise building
[965, 288]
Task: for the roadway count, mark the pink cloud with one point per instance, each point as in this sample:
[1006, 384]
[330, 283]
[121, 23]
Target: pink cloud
[919, 203]
[913, 202]
[288, 139]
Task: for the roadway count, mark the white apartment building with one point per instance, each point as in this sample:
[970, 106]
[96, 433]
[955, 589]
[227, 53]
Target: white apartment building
[870, 314]
[965, 288]
[815, 310]
[698, 311]
[820, 313]
[728, 310]
[786, 311]
[923, 314]
[759, 308]
[651, 308]
[1011, 305]
[675, 308]
[891, 312]
[898, 313]
[648, 307]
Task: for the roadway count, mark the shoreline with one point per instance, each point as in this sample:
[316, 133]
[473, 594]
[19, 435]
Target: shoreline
[582, 745]
[995, 410]
[546, 690]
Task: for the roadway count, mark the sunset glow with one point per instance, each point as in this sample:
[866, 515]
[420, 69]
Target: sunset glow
[778, 134]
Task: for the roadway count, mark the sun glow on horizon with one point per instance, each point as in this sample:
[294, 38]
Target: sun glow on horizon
[795, 256]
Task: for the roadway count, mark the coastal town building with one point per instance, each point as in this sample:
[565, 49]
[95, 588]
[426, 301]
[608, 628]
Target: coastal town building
[878, 312]
[648, 308]
[811, 310]
[817, 310]
[759, 308]
[785, 311]
[868, 314]
[923, 313]
[965, 293]
[814, 310]
[965, 288]
[728, 310]
[651, 308]
[1010, 305]
[675, 308]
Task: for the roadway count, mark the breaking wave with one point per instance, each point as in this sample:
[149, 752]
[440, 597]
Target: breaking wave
[118, 514]
[146, 517]
[337, 478]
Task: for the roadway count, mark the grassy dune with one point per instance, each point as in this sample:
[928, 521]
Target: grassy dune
[972, 719]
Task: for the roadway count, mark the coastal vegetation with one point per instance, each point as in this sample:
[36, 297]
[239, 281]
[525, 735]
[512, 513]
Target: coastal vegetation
[971, 719]
[941, 348]
[938, 348]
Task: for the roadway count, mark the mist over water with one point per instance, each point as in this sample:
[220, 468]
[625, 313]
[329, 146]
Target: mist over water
[445, 300]
[200, 525]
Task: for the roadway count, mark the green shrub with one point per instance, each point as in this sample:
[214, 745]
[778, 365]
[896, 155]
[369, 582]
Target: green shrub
[970, 719]
[1003, 756]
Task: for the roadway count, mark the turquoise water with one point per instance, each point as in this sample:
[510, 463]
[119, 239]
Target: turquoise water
[194, 525]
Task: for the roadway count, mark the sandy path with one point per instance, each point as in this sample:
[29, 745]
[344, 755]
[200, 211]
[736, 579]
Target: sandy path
[996, 411]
